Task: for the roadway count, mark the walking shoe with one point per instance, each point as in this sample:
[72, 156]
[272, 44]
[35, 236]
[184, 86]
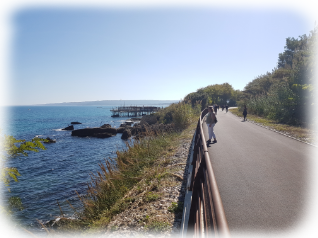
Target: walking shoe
[215, 141]
[209, 140]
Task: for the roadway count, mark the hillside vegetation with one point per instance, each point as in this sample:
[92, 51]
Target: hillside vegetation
[220, 94]
[286, 94]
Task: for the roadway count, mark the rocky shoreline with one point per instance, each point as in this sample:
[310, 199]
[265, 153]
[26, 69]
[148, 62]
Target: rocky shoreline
[146, 124]
[159, 217]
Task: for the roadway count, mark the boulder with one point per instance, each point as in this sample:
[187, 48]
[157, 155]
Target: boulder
[91, 131]
[75, 122]
[103, 135]
[69, 128]
[49, 140]
[120, 129]
[126, 134]
[106, 126]
[110, 130]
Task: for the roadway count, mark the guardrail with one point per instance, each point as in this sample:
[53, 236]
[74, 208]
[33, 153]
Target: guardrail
[206, 215]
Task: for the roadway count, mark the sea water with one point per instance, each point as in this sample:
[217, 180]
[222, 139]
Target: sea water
[55, 174]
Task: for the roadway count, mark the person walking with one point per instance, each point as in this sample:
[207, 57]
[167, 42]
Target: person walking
[216, 109]
[210, 120]
[245, 112]
[226, 107]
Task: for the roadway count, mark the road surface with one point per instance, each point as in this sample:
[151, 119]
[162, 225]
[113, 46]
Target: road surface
[262, 176]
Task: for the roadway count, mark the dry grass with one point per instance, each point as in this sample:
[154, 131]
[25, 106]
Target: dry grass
[301, 133]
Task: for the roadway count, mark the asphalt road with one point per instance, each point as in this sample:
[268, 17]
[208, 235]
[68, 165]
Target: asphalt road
[262, 176]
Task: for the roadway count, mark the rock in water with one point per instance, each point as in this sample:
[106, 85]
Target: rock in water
[69, 128]
[126, 134]
[121, 129]
[102, 135]
[106, 126]
[91, 131]
[49, 140]
[75, 122]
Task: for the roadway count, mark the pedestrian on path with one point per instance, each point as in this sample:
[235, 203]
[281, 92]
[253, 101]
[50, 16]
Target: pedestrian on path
[215, 109]
[245, 112]
[210, 120]
[227, 108]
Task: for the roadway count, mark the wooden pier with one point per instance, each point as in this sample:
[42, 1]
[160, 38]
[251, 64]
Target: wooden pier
[133, 111]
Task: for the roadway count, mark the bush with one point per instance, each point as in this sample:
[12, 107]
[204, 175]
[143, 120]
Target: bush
[181, 114]
[176, 207]
[157, 227]
[151, 197]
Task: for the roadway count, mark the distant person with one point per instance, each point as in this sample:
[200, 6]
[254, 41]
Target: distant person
[245, 112]
[210, 120]
[222, 107]
[215, 108]
[227, 108]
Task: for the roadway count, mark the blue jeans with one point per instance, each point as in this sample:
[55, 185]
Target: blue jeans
[210, 130]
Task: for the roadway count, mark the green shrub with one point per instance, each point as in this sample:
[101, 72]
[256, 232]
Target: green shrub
[156, 227]
[151, 197]
[181, 114]
[176, 207]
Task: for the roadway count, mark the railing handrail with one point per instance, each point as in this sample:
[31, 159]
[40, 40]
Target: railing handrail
[217, 201]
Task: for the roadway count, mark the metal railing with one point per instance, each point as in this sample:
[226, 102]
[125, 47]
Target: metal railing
[206, 217]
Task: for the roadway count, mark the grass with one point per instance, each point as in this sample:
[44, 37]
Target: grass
[157, 226]
[301, 133]
[176, 207]
[151, 196]
[141, 167]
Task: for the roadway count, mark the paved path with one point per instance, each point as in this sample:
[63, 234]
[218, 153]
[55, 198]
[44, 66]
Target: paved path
[262, 175]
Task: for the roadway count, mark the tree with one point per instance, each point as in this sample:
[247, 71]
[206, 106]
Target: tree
[13, 148]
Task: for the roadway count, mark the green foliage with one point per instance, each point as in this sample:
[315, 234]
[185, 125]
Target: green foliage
[176, 207]
[220, 94]
[15, 148]
[152, 197]
[157, 226]
[181, 114]
[287, 94]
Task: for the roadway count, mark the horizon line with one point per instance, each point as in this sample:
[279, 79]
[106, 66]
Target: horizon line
[98, 101]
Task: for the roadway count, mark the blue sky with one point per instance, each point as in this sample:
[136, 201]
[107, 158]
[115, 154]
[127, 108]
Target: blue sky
[71, 54]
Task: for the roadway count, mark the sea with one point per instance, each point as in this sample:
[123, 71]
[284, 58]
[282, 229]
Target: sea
[54, 175]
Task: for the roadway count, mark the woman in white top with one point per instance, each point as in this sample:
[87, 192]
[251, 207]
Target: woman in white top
[210, 121]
